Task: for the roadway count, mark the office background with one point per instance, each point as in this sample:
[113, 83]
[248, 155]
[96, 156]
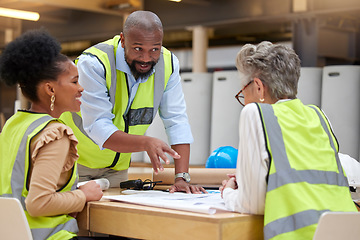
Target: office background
[206, 35]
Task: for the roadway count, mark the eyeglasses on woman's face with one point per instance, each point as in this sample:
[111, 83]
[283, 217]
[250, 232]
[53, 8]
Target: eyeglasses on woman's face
[240, 96]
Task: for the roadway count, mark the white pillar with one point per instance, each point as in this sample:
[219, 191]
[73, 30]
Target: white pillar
[125, 15]
[199, 49]
[9, 35]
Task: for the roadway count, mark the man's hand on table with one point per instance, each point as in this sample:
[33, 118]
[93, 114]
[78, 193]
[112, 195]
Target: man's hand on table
[181, 186]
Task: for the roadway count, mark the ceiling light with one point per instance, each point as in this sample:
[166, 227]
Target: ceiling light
[175, 0]
[26, 15]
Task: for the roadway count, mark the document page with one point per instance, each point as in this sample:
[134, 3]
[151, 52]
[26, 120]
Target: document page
[202, 203]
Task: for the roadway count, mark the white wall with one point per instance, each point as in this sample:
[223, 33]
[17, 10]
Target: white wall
[214, 112]
[340, 100]
[217, 57]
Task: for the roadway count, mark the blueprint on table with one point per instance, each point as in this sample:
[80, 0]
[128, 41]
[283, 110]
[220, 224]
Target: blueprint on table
[202, 203]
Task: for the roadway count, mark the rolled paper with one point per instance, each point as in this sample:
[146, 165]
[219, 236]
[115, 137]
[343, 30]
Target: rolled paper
[200, 176]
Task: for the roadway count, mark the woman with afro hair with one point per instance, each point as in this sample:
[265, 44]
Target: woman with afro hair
[37, 151]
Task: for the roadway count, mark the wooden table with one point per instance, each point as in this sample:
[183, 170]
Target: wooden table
[143, 222]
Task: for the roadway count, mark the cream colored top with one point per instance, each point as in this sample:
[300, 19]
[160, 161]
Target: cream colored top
[53, 154]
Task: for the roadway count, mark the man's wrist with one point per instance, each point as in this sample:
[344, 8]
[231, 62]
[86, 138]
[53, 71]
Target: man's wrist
[184, 175]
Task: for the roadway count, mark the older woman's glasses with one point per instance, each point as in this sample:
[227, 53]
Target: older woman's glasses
[240, 96]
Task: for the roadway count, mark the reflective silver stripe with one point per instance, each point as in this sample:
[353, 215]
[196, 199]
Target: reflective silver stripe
[44, 233]
[309, 176]
[79, 123]
[291, 223]
[109, 50]
[284, 173]
[275, 138]
[18, 172]
[340, 169]
[74, 186]
[159, 82]
[140, 116]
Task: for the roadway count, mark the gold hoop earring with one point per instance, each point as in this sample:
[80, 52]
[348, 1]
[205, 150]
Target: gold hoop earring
[262, 100]
[52, 102]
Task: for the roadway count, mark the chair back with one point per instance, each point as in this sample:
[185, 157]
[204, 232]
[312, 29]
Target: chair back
[338, 225]
[13, 222]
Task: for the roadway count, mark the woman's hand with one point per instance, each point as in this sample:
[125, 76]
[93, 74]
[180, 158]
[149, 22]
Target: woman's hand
[92, 191]
[231, 183]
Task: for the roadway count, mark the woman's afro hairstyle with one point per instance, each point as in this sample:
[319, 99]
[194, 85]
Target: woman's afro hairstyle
[30, 59]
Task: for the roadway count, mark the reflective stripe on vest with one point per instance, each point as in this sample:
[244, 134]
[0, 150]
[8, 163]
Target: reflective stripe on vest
[54, 227]
[283, 166]
[285, 175]
[60, 232]
[63, 231]
[79, 123]
[109, 50]
[18, 176]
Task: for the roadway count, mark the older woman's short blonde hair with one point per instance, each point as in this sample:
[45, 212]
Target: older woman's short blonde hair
[276, 65]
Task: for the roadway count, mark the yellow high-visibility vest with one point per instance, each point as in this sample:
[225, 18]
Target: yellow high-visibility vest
[138, 118]
[14, 173]
[305, 176]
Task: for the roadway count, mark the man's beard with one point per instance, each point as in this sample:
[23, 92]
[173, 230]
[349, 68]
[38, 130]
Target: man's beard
[138, 74]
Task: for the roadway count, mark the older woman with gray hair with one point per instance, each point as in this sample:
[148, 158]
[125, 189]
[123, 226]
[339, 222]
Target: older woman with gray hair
[288, 165]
